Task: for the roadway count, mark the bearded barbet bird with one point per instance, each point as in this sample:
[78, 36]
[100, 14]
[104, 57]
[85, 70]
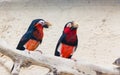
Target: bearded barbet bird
[34, 35]
[68, 42]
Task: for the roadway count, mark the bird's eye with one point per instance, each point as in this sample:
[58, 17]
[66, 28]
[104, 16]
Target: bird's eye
[42, 22]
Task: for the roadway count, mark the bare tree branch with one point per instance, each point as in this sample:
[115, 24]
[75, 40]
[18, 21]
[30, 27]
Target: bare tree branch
[57, 65]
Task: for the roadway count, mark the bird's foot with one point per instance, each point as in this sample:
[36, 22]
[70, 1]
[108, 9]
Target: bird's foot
[74, 59]
[39, 51]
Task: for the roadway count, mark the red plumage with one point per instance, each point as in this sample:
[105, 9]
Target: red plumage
[32, 44]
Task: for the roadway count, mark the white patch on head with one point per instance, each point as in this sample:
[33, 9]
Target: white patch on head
[42, 22]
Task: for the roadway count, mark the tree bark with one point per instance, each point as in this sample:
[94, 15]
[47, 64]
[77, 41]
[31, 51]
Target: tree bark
[57, 65]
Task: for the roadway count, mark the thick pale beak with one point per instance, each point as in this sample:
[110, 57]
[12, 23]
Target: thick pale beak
[75, 25]
[47, 24]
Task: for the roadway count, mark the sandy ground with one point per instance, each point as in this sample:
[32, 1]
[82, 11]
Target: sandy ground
[98, 32]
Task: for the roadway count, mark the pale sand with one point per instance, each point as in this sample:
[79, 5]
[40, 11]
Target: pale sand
[98, 32]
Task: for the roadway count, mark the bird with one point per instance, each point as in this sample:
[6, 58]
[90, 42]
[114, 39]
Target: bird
[68, 42]
[33, 36]
[117, 62]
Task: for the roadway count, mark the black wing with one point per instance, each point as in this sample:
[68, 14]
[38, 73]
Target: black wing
[57, 46]
[23, 40]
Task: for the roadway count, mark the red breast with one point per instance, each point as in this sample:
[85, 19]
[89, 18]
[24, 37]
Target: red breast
[38, 33]
[31, 45]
